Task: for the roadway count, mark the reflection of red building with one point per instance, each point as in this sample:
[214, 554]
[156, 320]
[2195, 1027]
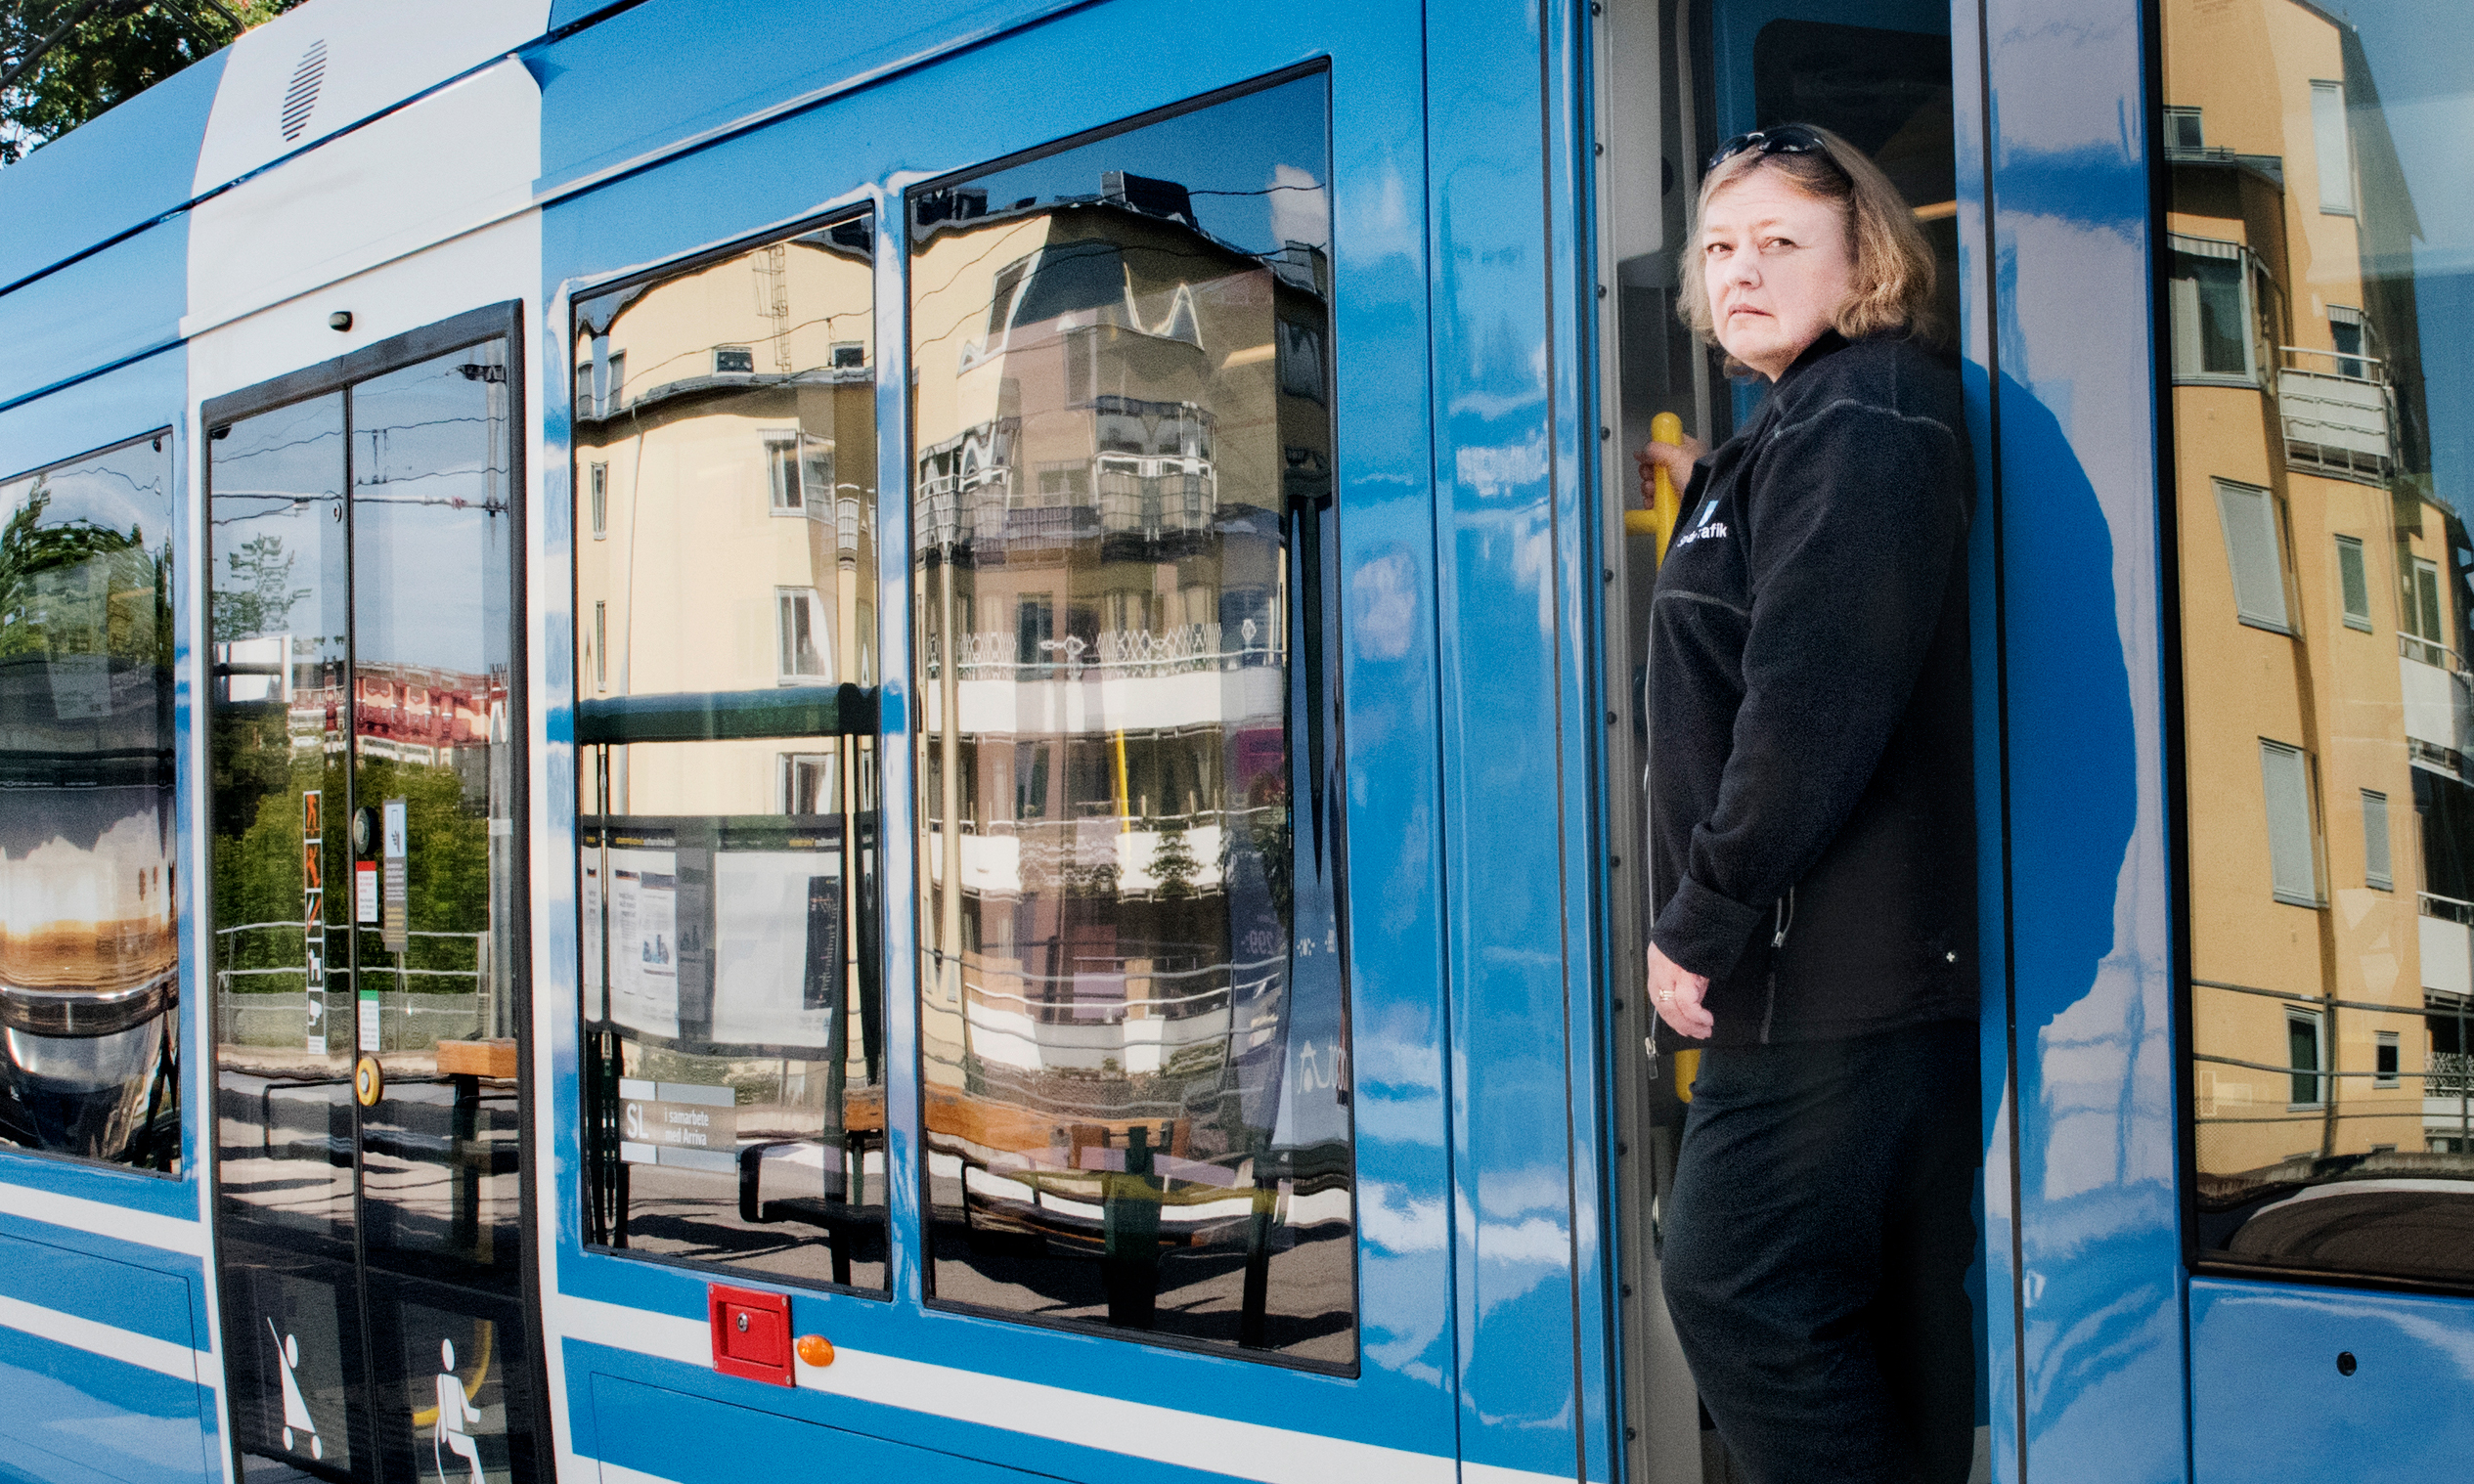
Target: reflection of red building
[419, 708]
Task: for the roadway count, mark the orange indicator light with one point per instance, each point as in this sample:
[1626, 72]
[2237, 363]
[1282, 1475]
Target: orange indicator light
[815, 1349]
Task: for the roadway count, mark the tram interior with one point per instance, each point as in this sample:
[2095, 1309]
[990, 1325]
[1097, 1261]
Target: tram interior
[1673, 77]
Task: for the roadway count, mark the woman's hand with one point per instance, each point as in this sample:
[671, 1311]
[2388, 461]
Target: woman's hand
[1677, 458]
[1677, 992]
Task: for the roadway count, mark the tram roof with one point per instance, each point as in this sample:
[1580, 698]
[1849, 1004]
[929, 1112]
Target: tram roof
[282, 88]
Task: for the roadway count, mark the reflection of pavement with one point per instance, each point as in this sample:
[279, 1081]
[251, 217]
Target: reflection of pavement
[1202, 1293]
[278, 1062]
[679, 1212]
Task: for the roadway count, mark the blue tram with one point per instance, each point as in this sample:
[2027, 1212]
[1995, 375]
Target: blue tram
[622, 849]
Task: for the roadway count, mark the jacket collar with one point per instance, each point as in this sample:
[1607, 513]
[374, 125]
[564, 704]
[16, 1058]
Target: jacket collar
[1831, 341]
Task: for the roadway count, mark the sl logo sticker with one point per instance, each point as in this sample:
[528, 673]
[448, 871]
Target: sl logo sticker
[369, 1082]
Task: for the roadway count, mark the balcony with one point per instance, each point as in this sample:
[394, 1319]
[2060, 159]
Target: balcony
[2336, 415]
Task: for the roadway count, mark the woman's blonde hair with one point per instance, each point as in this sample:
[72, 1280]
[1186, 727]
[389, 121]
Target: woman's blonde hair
[1892, 283]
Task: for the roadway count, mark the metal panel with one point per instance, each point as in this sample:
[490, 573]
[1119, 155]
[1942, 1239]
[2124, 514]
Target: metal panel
[1511, 472]
[1023, 90]
[96, 1359]
[2256, 1348]
[100, 311]
[147, 147]
[2099, 1237]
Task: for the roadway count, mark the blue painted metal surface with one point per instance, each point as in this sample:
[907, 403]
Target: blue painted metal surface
[1030, 88]
[2102, 1273]
[50, 205]
[103, 309]
[718, 66]
[2258, 1350]
[78, 1397]
[1514, 485]
[1996, 1279]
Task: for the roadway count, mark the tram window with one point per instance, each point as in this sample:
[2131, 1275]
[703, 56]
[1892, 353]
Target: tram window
[89, 950]
[2318, 277]
[734, 1000]
[1134, 1027]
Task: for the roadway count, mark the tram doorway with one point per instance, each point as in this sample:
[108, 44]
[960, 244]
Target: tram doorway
[1672, 79]
[367, 901]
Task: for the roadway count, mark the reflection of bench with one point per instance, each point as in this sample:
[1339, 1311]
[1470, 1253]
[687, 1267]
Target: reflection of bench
[1121, 1165]
[465, 1064]
[846, 1224]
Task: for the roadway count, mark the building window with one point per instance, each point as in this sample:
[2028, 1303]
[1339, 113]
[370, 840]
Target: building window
[600, 475]
[601, 646]
[2257, 553]
[586, 407]
[2293, 856]
[848, 355]
[734, 361]
[808, 781]
[2210, 294]
[2183, 132]
[2378, 865]
[615, 386]
[2422, 613]
[2354, 581]
[2303, 1041]
[2333, 151]
[781, 474]
[2384, 1067]
[805, 652]
[2350, 337]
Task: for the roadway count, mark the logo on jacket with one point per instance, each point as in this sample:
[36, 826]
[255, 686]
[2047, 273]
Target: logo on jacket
[1704, 526]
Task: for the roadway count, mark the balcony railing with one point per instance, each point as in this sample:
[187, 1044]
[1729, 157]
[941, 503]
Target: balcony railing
[2337, 414]
[2451, 1075]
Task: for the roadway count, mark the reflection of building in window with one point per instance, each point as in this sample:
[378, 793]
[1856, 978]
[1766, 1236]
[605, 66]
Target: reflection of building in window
[598, 475]
[808, 783]
[2325, 1006]
[804, 631]
[1124, 454]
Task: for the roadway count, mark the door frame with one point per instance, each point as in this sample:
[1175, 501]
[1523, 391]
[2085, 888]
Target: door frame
[503, 320]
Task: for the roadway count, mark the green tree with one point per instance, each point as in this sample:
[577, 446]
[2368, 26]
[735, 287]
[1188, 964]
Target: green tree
[101, 54]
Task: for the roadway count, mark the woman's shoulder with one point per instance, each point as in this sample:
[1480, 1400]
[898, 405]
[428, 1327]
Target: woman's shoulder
[1893, 372]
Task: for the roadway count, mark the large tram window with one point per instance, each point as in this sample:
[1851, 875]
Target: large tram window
[89, 972]
[2318, 244]
[1134, 1032]
[734, 1003]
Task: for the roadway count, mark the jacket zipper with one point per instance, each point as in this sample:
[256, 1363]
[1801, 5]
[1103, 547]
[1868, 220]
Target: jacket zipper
[1783, 917]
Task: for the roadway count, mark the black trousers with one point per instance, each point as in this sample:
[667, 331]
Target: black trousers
[1817, 1244]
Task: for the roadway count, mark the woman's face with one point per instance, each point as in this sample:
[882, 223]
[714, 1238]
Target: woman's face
[1777, 265]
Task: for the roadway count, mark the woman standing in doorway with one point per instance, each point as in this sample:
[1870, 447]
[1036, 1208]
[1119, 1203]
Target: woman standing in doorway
[1812, 836]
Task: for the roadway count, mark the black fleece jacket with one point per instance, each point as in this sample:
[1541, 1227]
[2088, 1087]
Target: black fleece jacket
[1812, 823]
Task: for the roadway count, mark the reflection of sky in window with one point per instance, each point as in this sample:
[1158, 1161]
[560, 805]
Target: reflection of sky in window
[276, 475]
[2422, 56]
[428, 445]
[124, 487]
[1265, 149]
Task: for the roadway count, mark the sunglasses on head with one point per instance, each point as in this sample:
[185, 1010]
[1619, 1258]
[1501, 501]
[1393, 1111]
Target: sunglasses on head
[1786, 139]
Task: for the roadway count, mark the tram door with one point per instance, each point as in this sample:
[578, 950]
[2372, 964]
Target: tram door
[1675, 77]
[366, 899]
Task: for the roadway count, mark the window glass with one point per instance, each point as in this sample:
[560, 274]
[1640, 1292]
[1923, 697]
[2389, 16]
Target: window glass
[1133, 1030]
[89, 951]
[2330, 993]
[735, 1037]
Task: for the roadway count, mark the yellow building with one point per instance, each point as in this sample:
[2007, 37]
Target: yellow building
[2324, 694]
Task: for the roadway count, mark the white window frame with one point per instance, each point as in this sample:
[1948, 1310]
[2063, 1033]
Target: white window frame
[2350, 551]
[749, 351]
[2379, 843]
[600, 644]
[2283, 764]
[2183, 321]
[597, 480]
[2388, 1040]
[2247, 514]
[2317, 1071]
[820, 636]
[2331, 148]
[828, 764]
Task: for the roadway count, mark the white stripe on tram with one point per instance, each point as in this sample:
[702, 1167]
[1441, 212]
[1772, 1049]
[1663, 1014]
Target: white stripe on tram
[96, 1218]
[163, 1356]
[1113, 1424]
